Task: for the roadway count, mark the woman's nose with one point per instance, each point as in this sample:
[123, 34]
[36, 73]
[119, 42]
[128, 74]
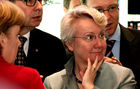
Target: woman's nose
[98, 42]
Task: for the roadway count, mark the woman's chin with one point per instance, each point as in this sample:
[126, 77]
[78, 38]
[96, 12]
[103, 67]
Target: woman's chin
[100, 57]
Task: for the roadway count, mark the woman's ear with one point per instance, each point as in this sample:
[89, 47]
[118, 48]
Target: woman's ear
[2, 39]
[69, 45]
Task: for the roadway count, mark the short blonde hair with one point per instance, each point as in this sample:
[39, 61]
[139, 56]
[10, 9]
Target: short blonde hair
[10, 15]
[67, 23]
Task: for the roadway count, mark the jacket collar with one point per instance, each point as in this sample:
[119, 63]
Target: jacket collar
[69, 79]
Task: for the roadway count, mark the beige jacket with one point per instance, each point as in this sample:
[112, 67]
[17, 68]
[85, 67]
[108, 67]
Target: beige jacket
[109, 76]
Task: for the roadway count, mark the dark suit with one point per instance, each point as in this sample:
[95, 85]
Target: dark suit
[46, 53]
[130, 50]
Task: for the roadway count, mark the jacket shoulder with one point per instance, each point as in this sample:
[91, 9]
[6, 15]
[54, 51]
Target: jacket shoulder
[55, 81]
[39, 34]
[122, 74]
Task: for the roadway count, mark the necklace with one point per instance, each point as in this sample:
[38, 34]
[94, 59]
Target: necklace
[79, 81]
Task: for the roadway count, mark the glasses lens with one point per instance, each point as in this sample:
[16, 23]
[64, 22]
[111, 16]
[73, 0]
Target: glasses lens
[30, 2]
[42, 2]
[33, 2]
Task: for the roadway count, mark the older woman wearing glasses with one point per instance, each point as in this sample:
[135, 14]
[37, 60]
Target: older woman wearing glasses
[83, 33]
[13, 76]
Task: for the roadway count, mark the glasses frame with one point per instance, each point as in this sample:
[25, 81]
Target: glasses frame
[94, 37]
[110, 9]
[31, 5]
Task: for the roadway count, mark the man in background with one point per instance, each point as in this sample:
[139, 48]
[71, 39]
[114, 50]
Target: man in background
[69, 4]
[43, 51]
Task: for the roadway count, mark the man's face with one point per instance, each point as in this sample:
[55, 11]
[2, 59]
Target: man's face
[74, 3]
[111, 14]
[33, 14]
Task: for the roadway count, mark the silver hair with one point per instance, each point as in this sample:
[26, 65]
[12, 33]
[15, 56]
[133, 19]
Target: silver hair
[68, 21]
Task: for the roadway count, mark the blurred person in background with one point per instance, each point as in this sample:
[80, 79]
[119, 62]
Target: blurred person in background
[43, 51]
[13, 76]
[69, 4]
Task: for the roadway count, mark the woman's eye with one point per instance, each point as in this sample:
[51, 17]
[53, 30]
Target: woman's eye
[100, 10]
[101, 35]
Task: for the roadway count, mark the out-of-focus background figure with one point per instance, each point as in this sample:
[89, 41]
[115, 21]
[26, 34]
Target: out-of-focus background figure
[12, 76]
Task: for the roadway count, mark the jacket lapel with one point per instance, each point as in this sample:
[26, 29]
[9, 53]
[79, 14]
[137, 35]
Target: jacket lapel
[126, 38]
[69, 80]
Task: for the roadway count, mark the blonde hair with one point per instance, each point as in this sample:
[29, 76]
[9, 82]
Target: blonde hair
[10, 15]
[67, 23]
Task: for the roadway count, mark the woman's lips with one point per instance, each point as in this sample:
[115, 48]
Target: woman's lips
[98, 52]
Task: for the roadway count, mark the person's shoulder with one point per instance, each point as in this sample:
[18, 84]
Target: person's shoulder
[27, 71]
[55, 81]
[57, 75]
[122, 74]
[41, 33]
[135, 31]
[46, 38]
[29, 77]
[131, 30]
[120, 70]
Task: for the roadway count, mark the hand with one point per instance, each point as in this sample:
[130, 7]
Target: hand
[90, 73]
[112, 60]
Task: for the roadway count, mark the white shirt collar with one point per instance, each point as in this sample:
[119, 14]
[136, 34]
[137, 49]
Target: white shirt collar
[27, 35]
[116, 35]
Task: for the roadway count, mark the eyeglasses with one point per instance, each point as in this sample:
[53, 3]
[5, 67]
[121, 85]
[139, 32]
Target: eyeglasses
[93, 37]
[33, 2]
[111, 9]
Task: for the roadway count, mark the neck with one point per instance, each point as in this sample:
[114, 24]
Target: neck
[80, 65]
[25, 30]
[79, 72]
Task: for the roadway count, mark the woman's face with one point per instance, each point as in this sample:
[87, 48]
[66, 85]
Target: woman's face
[11, 44]
[89, 41]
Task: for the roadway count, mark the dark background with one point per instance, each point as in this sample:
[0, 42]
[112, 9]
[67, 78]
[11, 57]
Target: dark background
[133, 6]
